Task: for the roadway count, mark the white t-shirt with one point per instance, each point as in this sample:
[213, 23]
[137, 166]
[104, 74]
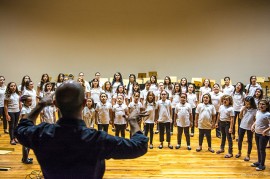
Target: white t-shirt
[103, 111]
[164, 111]
[33, 95]
[175, 99]
[25, 110]
[262, 122]
[184, 89]
[129, 93]
[192, 99]
[89, 116]
[110, 95]
[150, 109]
[114, 86]
[13, 103]
[153, 87]
[216, 99]
[120, 111]
[2, 95]
[95, 93]
[143, 94]
[252, 89]
[238, 101]
[87, 86]
[124, 95]
[135, 106]
[204, 90]
[226, 112]
[228, 89]
[206, 112]
[248, 118]
[183, 112]
[48, 114]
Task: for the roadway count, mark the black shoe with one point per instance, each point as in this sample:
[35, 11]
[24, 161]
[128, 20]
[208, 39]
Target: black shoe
[256, 164]
[160, 146]
[170, 146]
[177, 146]
[188, 147]
[12, 142]
[151, 146]
[27, 161]
[156, 132]
[260, 168]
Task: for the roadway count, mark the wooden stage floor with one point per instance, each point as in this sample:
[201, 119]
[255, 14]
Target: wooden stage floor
[157, 163]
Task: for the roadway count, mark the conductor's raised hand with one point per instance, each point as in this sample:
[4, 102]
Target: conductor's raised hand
[46, 100]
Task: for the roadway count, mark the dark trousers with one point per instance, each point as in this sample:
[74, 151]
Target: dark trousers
[103, 127]
[25, 153]
[2, 113]
[162, 127]
[120, 128]
[241, 137]
[193, 119]
[236, 115]
[172, 124]
[207, 133]
[224, 128]
[261, 142]
[13, 123]
[179, 135]
[218, 133]
[149, 127]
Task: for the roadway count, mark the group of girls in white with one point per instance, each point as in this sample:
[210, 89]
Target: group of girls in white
[167, 104]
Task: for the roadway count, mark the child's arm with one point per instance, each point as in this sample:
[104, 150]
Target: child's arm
[214, 121]
[217, 120]
[191, 119]
[196, 119]
[242, 112]
[231, 125]
[96, 116]
[156, 114]
[6, 110]
[175, 116]
[265, 131]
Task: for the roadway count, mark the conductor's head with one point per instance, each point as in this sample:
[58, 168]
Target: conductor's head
[69, 98]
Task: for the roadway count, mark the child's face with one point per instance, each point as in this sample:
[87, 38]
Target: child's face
[28, 102]
[31, 85]
[258, 93]
[183, 81]
[166, 80]
[120, 99]
[117, 76]
[226, 101]
[176, 87]
[262, 106]
[247, 104]
[227, 81]
[136, 87]
[161, 86]
[12, 87]
[26, 78]
[183, 99]
[136, 97]
[151, 97]
[65, 78]
[103, 98]
[206, 99]
[49, 87]
[253, 80]
[206, 82]
[163, 95]
[45, 77]
[216, 88]
[107, 85]
[95, 83]
[61, 78]
[131, 78]
[2, 80]
[97, 75]
[190, 88]
[238, 86]
[153, 79]
[147, 86]
[121, 89]
[89, 103]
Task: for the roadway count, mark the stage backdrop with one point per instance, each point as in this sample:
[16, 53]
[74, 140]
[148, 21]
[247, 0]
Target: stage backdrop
[209, 38]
